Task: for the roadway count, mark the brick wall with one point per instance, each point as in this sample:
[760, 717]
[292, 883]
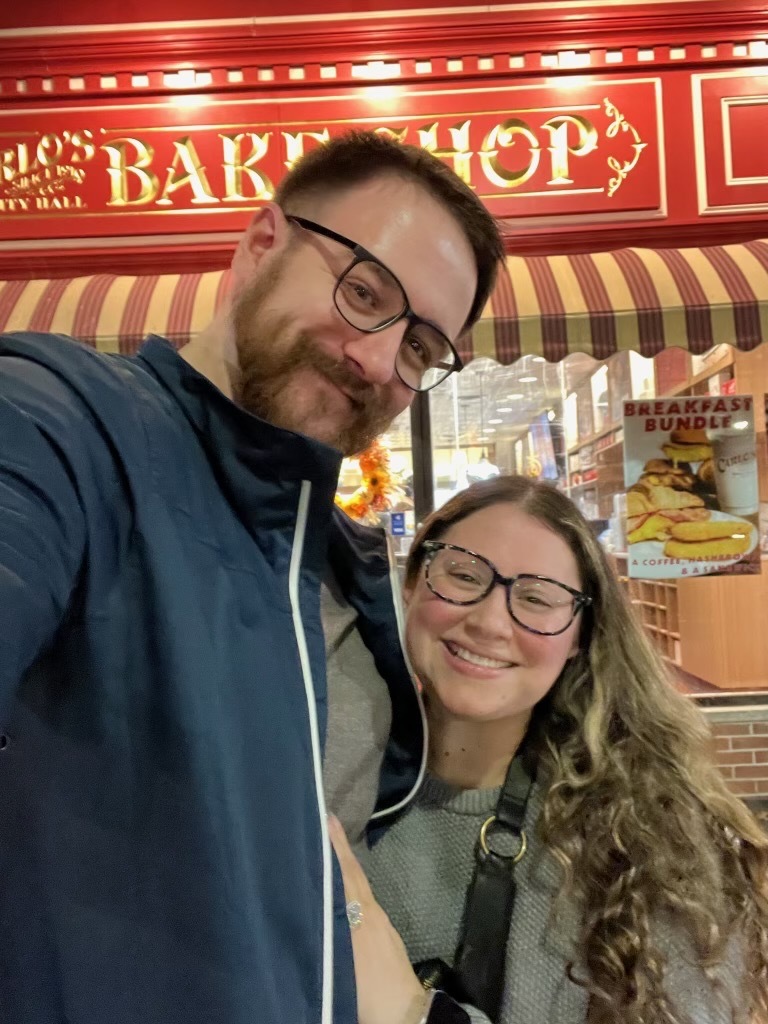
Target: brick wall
[741, 750]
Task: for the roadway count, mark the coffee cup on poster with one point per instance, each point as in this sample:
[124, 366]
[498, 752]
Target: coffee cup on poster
[734, 455]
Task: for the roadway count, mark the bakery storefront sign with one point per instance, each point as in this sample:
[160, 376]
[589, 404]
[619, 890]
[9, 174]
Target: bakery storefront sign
[200, 162]
[690, 470]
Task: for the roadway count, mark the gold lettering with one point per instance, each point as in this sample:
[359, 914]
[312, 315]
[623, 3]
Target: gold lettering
[458, 151]
[49, 150]
[13, 205]
[186, 169]
[559, 148]
[83, 140]
[294, 144]
[59, 203]
[119, 169]
[7, 162]
[15, 161]
[504, 136]
[235, 167]
[398, 134]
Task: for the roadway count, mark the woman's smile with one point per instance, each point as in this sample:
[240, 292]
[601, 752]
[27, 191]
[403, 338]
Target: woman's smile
[474, 660]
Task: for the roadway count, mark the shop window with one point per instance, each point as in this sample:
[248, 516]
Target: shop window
[492, 419]
[564, 422]
[377, 487]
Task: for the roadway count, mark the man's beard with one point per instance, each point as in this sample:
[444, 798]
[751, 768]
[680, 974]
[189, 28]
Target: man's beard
[268, 365]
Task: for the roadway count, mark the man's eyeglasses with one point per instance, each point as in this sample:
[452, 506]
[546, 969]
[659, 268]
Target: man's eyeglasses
[370, 298]
[537, 603]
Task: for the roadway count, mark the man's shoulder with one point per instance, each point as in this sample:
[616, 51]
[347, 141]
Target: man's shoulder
[70, 360]
[36, 368]
[87, 400]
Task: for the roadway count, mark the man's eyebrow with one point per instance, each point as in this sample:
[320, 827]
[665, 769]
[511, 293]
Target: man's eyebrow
[382, 272]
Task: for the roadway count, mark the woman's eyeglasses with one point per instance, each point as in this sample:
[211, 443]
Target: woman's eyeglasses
[537, 603]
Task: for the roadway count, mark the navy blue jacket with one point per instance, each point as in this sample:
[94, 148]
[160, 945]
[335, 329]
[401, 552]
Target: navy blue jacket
[163, 851]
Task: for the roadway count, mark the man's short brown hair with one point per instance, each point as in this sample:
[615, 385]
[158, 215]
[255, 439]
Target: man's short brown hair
[358, 156]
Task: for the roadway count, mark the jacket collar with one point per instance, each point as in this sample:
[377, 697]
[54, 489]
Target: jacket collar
[259, 467]
[253, 442]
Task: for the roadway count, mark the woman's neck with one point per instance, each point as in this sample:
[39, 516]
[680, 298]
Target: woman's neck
[473, 755]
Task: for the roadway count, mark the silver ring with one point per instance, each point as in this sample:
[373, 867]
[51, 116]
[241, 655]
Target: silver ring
[354, 914]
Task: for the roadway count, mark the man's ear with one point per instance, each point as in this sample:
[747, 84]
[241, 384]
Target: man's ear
[267, 232]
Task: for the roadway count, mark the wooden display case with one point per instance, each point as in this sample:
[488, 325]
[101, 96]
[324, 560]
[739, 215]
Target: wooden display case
[702, 625]
[720, 619]
[656, 604]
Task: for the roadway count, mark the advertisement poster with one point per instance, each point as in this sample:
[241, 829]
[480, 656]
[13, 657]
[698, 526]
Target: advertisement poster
[690, 472]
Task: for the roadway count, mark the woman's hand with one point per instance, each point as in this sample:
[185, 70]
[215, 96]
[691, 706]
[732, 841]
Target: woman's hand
[388, 991]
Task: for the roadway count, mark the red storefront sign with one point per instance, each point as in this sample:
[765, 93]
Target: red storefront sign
[590, 148]
[730, 118]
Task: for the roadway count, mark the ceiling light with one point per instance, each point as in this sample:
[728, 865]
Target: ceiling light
[513, 397]
[495, 421]
[504, 408]
[527, 380]
[551, 415]
[490, 430]
[538, 359]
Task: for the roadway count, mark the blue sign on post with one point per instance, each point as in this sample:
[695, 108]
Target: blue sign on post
[397, 520]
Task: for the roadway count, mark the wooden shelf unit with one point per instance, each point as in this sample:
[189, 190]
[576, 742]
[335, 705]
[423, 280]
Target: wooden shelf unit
[656, 605]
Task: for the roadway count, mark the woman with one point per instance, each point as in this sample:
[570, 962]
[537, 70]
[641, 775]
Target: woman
[640, 881]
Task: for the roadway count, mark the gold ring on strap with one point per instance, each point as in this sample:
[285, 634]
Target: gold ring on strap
[484, 841]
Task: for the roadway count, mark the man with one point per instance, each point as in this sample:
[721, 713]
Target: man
[166, 524]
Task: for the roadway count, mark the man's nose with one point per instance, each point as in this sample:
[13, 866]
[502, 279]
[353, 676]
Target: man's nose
[373, 356]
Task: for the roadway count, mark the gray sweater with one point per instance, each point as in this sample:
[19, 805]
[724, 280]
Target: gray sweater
[420, 871]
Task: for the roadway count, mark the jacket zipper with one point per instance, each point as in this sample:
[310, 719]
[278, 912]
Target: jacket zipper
[397, 600]
[306, 669]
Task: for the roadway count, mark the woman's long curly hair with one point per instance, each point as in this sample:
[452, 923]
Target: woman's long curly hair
[637, 813]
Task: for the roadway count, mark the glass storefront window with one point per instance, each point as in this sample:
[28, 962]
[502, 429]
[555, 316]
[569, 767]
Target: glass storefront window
[395, 485]
[563, 422]
[490, 419]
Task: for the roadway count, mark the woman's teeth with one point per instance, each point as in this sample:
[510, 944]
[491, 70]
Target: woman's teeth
[477, 659]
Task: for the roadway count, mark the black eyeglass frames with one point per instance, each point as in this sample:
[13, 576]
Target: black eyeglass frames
[370, 298]
[537, 603]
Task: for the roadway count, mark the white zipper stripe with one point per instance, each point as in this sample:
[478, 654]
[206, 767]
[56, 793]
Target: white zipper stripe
[394, 582]
[306, 669]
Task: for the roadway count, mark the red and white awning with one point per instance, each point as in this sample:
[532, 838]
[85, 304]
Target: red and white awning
[640, 299]
[114, 314]
[598, 303]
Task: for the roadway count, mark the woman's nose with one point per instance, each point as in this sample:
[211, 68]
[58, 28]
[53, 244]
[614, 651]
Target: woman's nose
[492, 613]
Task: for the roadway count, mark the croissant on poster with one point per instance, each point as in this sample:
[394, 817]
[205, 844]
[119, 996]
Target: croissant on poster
[662, 496]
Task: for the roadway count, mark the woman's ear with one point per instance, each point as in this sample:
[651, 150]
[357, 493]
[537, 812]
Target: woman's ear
[407, 595]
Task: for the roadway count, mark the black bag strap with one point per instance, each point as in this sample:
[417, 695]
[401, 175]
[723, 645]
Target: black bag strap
[481, 954]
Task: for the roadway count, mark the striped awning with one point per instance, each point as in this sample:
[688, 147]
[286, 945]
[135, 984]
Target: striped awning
[598, 303]
[640, 299]
[114, 314]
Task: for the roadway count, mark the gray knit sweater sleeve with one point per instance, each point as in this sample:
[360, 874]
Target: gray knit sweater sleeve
[420, 871]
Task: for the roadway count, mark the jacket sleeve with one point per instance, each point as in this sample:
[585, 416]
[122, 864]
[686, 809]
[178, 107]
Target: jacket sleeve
[42, 523]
